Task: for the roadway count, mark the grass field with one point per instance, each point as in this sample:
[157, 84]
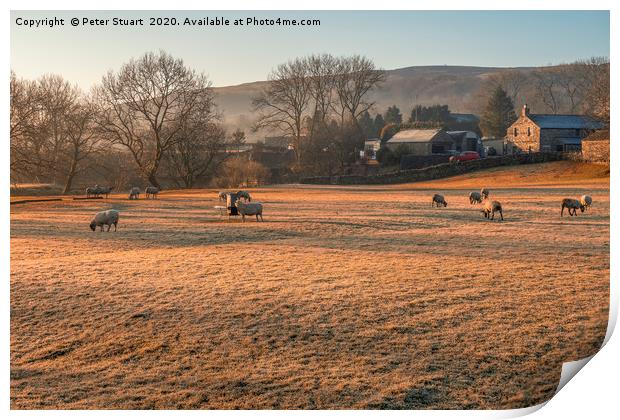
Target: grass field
[345, 297]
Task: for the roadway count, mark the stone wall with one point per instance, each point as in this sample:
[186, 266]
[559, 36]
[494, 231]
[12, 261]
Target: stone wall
[595, 150]
[435, 172]
[417, 162]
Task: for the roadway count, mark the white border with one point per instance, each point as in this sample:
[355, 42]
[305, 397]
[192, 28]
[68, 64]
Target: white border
[593, 394]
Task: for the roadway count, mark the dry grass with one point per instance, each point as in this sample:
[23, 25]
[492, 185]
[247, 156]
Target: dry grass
[358, 297]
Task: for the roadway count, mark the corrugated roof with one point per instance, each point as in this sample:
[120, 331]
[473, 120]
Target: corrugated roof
[414, 136]
[565, 121]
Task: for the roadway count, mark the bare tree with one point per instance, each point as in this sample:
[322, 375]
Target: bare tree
[23, 113]
[596, 87]
[195, 154]
[547, 84]
[144, 107]
[81, 142]
[283, 103]
[355, 77]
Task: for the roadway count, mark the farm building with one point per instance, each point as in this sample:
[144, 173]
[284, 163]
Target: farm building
[465, 141]
[550, 132]
[422, 142]
[595, 147]
[494, 146]
[371, 146]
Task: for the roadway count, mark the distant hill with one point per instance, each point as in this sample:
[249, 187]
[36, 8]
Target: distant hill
[426, 85]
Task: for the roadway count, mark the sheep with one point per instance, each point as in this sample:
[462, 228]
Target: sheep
[490, 207]
[484, 193]
[104, 191]
[92, 191]
[151, 192]
[438, 200]
[475, 197]
[222, 195]
[134, 193]
[108, 217]
[244, 194]
[250, 209]
[586, 201]
[572, 205]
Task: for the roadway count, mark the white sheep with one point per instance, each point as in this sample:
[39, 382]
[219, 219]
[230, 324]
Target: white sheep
[151, 192]
[475, 197]
[572, 205]
[108, 217]
[134, 193]
[490, 207]
[438, 200]
[586, 201]
[250, 209]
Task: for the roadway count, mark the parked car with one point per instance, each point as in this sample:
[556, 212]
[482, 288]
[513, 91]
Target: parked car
[465, 156]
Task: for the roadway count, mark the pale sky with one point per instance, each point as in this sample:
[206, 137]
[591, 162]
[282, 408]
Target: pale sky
[233, 55]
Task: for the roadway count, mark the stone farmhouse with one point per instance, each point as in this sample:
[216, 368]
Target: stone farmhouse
[550, 132]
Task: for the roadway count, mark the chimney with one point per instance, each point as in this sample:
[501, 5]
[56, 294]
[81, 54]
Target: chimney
[525, 111]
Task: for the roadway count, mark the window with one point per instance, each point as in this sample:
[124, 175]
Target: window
[516, 131]
[577, 132]
[529, 131]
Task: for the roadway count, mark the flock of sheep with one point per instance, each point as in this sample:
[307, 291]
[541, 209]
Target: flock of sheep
[245, 207]
[150, 192]
[489, 207]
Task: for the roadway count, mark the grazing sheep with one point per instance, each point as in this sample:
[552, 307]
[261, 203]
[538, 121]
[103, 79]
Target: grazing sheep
[475, 197]
[103, 191]
[134, 193]
[572, 205]
[108, 217]
[438, 200]
[222, 195]
[484, 193]
[490, 207]
[92, 191]
[244, 194]
[586, 201]
[250, 209]
[151, 192]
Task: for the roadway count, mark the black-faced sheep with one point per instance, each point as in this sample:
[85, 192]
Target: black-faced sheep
[484, 193]
[586, 201]
[572, 205]
[250, 209]
[490, 207]
[438, 200]
[222, 195]
[134, 193]
[108, 217]
[151, 192]
[475, 197]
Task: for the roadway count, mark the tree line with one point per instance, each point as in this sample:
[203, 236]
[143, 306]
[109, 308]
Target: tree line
[154, 116]
[317, 101]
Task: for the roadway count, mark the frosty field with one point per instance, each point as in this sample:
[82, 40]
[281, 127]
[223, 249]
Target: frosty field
[345, 297]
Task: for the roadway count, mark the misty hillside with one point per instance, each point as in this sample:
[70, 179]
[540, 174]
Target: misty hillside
[426, 85]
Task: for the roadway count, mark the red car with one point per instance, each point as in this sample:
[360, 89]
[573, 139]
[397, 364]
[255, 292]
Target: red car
[465, 156]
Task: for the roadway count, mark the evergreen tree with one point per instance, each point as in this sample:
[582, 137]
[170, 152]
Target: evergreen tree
[379, 124]
[498, 115]
[367, 125]
[393, 115]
